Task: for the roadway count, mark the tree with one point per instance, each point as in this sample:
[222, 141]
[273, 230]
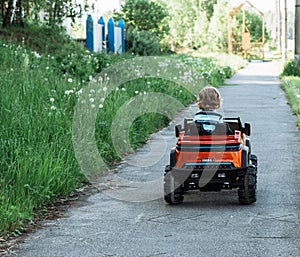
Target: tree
[11, 12]
[144, 15]
[188, 23]
[146, 25]
[55, 11]
[208, 7]
[218, 26]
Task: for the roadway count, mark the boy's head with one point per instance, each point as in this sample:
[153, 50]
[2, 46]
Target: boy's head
[209, 98]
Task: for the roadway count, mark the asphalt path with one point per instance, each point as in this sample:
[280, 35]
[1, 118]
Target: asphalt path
[108, 223]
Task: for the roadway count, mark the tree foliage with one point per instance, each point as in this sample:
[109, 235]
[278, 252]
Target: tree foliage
[146, 25]
[144, 15]
[54, 11]
[253, 22]
[218, 27]
[203, 24]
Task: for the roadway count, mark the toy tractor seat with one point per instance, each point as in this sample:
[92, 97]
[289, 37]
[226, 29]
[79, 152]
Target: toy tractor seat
[197, 129]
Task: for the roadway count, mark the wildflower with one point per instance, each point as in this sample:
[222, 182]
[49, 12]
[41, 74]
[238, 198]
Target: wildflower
[53, 108]
[92, 91]
[51, 99]
[37, 55]
[47, 68]
[92, 100]
[123, 89]
[104, 89]
[79, 92]
[92, 106]
[68, 92]
[90, 77]
[70, 80]
[100, 106]
[136, 91]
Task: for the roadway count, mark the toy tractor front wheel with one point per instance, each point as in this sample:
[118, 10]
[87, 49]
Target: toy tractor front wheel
[247, 189]
[172, 195]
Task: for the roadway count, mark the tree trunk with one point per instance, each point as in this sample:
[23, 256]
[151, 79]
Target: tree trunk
[8, 14]
[19, 13]
[278, 29]
[284, 32]
[12, 14]
[297, 31]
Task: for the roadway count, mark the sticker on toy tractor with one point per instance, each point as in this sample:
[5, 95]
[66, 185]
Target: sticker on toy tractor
[208, 160]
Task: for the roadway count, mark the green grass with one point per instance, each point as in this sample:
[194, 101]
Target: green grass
[39, 89]
[291, 86]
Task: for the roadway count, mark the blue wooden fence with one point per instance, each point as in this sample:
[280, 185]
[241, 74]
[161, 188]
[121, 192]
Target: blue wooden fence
[97, 39]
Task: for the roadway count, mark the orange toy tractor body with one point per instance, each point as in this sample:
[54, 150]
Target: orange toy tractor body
[211, 160]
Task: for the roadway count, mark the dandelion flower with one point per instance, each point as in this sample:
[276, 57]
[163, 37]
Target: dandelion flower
[79, 92]
[70, 80]
[51, 99]
[53, 108]
[92, 100]
[100, 106]
[68, 92]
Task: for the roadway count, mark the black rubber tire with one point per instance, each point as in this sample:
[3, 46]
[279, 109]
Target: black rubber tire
[253, 159]
[172, 197]
[247, 189]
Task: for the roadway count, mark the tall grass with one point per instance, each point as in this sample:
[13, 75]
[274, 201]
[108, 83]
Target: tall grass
[37, 159]
[291, 86]
[38, 93]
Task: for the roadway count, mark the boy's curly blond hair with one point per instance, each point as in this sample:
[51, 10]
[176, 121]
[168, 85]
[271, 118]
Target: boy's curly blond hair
[209, 99]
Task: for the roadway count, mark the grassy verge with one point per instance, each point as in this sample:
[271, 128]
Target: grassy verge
[38, 92]
[291, 86]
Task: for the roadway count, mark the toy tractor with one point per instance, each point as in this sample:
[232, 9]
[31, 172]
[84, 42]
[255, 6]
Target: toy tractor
[211, 156]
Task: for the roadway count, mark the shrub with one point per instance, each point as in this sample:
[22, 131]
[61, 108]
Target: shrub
[291, 69]
[142, 42]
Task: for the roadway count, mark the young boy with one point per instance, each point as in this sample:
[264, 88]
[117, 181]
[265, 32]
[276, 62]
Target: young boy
[209, 101]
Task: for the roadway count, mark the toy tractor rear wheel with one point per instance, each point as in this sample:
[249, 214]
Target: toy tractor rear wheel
[172, 195]
[247, 189]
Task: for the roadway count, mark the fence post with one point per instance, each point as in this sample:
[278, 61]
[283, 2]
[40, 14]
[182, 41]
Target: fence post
[102, 22]
[121, 25]
[111, 35]
[90, 33]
